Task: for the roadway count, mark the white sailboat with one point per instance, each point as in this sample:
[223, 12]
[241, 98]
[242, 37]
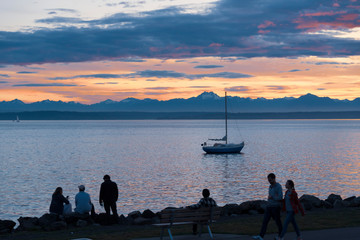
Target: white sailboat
[221, 145]
[17, 118]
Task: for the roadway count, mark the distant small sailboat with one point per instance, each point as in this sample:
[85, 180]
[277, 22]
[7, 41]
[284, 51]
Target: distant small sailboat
[223, 147]
[17, 118]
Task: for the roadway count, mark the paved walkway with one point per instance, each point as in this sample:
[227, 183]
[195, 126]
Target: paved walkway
[327, 234]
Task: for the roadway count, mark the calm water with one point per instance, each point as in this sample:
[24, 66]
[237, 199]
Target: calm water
[160, 163]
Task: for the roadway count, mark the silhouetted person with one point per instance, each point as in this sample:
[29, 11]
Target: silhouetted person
[273, 207]
[291, 205]
[206, 201]
[83, 202]
[57, 202]
[109, 195]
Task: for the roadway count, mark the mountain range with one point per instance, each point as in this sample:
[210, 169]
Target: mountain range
[205, 102]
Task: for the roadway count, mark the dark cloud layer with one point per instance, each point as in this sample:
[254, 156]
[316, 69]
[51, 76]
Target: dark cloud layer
[258, 28]
[44, 85]
[159, 74]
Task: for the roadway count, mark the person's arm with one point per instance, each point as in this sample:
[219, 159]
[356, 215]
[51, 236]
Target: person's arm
[101, 195]
[278, 196]
[116, 192]
[63, 199]
[298, 203]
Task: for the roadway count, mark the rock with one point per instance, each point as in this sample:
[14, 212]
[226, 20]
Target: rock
[230, 209]
[327, 205]
[307, 205]
[81, 223]
[349, 199]
[28, 224]
[134, 214]
[355, 202]
[46, 220]
[59, 225]
[256, 205]
[74, 217]
[314, 201]
[6, 226]
[253, 212]
[142, 221]
[148, 214]
[332, 198]
[106, 220]
[338, 204]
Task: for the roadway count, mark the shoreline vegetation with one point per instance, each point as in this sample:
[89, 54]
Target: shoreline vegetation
[244, 218]
[72, 115]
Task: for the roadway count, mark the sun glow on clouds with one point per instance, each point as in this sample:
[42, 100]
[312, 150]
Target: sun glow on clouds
[351, 34]
[97, 81]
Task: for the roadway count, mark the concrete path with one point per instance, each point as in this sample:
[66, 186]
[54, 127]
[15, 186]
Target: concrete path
[327, 234]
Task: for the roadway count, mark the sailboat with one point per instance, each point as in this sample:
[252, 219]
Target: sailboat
[221, 145]
[17, 118]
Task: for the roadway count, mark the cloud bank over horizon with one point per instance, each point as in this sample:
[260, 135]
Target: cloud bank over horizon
[230, 28]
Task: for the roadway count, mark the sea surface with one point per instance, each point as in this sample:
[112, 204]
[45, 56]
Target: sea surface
[158, 163]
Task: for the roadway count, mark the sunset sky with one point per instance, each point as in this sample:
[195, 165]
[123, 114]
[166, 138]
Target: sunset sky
[92, 50]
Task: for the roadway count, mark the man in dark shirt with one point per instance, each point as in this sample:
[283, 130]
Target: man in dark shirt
[109, 195]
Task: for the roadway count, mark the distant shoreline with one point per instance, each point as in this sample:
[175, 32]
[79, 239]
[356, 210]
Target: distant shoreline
[69, 115]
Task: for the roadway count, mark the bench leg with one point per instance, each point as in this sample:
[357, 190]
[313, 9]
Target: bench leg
[170, 235]
[162, 233]
[210, 233]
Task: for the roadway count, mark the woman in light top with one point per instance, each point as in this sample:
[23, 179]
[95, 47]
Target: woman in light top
[292, 206]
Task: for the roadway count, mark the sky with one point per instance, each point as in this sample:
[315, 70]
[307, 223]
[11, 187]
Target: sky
[89, 51]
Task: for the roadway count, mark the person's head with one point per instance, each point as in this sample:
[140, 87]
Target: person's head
[205, 193]
[271, 178]
[290, 184]
[81, 188]
[58, 190]
[106, 177]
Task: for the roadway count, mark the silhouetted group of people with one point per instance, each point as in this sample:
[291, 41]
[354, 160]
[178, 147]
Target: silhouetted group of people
[108, 196]
[276, 202]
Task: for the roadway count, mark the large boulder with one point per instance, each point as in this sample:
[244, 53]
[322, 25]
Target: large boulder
[148, 214]
[6, 226]
[338, 204]
[74, 217]
[355, 202]
[58, 225]
[230, 209]
[326, 204]
[134, 214]
[46, 221]
[105, 220]
[256, 205]
[28, 224]
[310, 201]
[142, 221]
[332, 198]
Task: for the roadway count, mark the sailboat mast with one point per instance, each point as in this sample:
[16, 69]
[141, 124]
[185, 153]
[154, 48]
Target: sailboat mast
[225, 118]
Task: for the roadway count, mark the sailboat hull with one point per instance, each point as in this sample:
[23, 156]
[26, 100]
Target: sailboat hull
[224, 148]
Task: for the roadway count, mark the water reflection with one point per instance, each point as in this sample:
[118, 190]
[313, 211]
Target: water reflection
[161, 163]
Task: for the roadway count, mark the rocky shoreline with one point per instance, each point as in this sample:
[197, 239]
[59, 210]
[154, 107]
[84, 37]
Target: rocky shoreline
[52, 222]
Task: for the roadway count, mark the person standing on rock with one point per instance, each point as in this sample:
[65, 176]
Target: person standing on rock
[291, 205]
[273, 207]
[109, 194]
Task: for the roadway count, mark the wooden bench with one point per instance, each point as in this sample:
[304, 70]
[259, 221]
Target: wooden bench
[180, 216]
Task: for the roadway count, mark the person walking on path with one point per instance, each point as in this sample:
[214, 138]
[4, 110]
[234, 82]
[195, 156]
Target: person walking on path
[273, 207]
[83, 202]
[109, 194]
[206, 201]
[292, 206]
[57, 202]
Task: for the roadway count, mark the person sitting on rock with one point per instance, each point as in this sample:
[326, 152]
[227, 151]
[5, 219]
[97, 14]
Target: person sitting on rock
[206, 201]
[83, 202]
[57, 202]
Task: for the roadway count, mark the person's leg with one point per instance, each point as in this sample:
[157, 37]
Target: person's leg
[277, 218]
[288, 219]
[113, 209]
[194, 228]
[267, 216]
[297, 230]
[107, 208]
